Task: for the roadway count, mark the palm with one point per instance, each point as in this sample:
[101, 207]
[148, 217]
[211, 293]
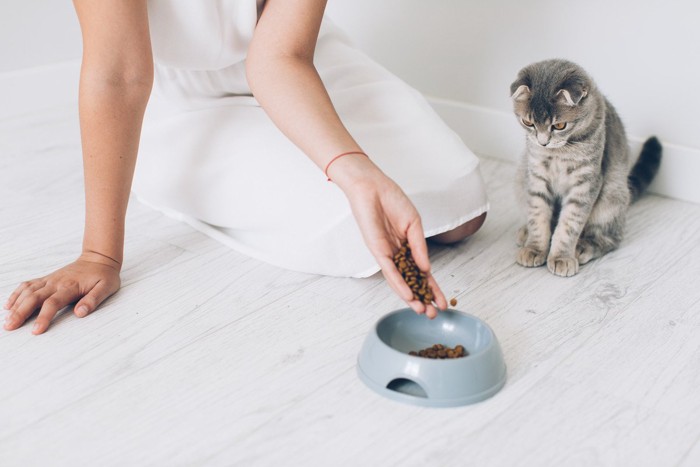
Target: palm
[387, 219]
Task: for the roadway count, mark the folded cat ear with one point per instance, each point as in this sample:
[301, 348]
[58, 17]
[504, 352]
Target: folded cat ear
[521, 93]
[573, 96]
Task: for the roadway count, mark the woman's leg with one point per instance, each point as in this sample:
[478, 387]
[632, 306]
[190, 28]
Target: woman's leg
[460, 233]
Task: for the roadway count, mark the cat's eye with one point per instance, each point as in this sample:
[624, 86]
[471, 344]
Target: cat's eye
[527, 122]
[559, 125]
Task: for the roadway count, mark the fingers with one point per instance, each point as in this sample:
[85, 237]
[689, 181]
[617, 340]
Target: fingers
[439, 301]
[14, 295]
[396, 282]
[419, 248]
[393, 277]
[419, 251]
[93, 298]
[63, 297]
[438, 296]
[23, 290]
[418, 306]
[24, 307]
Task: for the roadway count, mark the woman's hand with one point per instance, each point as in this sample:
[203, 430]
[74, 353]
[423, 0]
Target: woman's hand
[387, 219]
[88, 281]
[115, 83]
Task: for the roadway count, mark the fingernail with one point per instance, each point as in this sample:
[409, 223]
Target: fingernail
[35, 328]
[82, 311]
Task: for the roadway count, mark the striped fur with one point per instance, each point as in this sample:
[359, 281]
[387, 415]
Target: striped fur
[574, 175]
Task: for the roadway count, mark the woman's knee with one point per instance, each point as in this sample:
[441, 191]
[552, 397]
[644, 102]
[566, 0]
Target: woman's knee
[461, 232]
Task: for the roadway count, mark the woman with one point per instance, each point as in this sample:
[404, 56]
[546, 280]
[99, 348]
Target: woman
[252, 98]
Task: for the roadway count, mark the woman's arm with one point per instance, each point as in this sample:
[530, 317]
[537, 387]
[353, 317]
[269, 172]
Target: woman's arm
[115, 83]
[283, 78]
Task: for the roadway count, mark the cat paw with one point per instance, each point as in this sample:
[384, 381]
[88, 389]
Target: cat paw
[531, 258]
[562, 266]
[521, 236]
[585, 252]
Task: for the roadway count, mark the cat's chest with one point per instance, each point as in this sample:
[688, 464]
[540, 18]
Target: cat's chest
[557, 173]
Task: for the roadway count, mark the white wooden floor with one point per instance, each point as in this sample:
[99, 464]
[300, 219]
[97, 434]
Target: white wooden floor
[206, 357]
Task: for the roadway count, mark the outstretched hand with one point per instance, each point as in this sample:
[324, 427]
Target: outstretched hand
[388, 219]
[89, 281]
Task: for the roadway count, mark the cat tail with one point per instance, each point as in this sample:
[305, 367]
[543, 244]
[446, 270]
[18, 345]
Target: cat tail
[645, 168]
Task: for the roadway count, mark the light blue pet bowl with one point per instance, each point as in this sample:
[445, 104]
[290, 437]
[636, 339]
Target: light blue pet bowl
[386, 367]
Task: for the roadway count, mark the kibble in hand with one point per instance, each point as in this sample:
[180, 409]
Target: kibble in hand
[416, 279]
[441, 352]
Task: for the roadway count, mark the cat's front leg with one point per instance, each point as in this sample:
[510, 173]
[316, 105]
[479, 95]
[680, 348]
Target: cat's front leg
[521, 236]
[533, 253]
[562, 259]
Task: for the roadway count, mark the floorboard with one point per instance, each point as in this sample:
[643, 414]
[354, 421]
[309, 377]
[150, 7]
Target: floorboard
[206, 357]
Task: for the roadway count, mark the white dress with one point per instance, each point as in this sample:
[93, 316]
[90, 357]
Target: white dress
[211, 157]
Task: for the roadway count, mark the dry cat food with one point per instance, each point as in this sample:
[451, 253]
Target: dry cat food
[453, 302]
[440, 351]
[416, 279]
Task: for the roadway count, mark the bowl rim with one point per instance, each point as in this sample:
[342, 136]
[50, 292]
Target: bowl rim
[447, 361]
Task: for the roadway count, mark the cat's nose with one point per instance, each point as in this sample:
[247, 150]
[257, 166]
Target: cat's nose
[543, 140]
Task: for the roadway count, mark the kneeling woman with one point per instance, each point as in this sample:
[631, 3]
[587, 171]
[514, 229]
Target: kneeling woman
[257, 105]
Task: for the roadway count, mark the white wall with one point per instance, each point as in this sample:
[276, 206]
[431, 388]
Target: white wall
[645, 56]
[37, 32]
[40, 48]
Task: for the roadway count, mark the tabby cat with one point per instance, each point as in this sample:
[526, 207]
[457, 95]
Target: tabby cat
[575, 172]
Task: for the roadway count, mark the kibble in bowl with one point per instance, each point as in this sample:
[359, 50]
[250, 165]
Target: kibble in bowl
[441, 351]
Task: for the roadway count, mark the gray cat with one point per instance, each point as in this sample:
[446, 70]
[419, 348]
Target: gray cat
[575, 173]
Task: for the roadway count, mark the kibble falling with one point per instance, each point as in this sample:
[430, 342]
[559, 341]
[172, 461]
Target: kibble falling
[416, 279]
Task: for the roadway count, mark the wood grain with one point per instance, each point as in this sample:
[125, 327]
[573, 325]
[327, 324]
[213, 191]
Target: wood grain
[206, 357]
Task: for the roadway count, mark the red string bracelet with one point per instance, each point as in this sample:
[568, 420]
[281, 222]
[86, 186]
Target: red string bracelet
[338, 157]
